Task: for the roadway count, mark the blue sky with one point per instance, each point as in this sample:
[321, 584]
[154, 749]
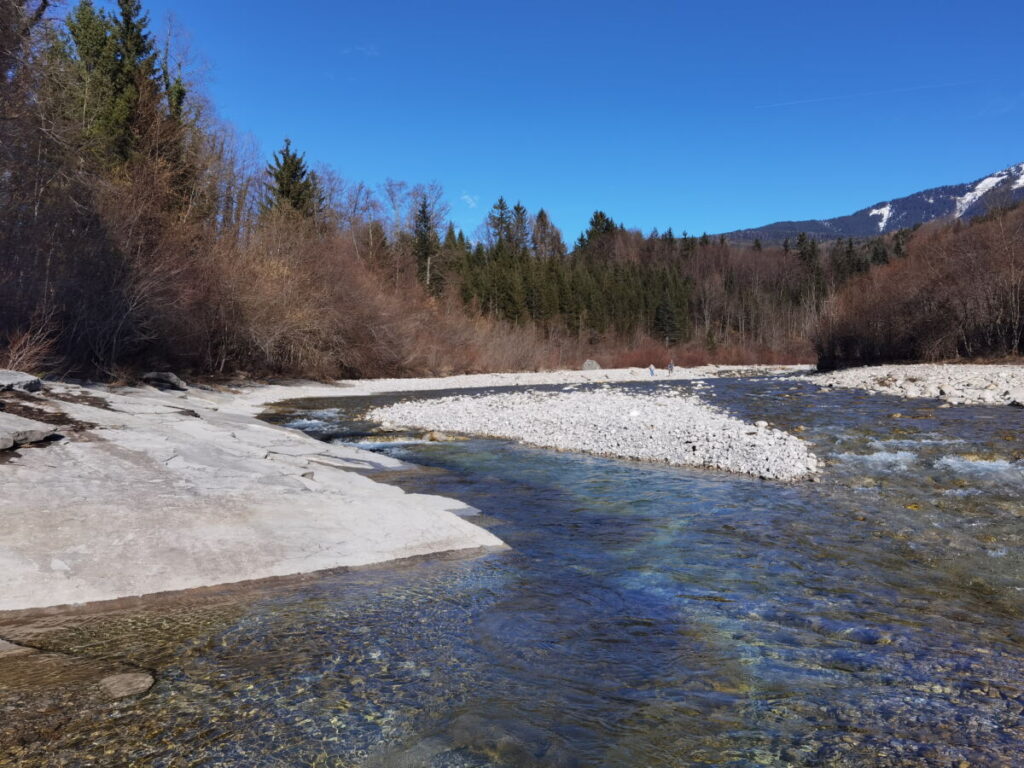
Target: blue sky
[699, 116]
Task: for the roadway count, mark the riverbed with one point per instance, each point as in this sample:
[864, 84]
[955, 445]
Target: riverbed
[644, 615]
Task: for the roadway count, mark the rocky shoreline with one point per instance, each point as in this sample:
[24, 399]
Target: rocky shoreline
[119, 492]
[143, 491]
[957, 384]
[671, 428]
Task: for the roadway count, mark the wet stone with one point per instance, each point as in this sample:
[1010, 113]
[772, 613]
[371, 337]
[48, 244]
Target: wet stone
[125, 685]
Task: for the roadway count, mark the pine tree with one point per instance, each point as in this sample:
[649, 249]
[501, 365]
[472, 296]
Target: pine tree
[499, 222]
[807, 249]
[599, 229]
[292, 186]
[426, 248]
[665, 326]
[123, 84]
[879, 253]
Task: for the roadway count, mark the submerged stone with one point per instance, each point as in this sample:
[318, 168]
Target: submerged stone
[128, 684]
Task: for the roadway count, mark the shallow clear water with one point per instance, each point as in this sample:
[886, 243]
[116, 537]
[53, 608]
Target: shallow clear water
[645, 616]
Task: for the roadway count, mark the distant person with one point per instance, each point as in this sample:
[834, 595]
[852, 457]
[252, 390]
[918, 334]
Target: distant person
[671, 367]
[652, 369]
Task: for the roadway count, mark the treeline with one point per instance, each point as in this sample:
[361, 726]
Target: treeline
[958, 293]
[700, 292]
[134, 232]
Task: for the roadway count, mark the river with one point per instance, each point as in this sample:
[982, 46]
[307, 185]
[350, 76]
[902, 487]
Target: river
[644, 616]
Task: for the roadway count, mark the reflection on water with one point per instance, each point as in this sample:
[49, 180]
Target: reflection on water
[646, 616]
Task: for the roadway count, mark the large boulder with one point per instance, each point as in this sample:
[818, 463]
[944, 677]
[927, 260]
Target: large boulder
[16, 380]
[591, 365]
[164, 380]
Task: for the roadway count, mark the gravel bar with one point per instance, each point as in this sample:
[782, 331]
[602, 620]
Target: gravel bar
[957, 383]
[674, 428]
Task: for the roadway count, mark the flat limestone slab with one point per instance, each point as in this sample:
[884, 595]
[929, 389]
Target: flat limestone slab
[191, 494]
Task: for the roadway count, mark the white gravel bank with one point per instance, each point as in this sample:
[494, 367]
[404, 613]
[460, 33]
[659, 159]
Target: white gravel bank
[955, 383]
[673, 428]
[256, 396]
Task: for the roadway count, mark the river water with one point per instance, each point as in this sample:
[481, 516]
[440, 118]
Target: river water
[644, 616]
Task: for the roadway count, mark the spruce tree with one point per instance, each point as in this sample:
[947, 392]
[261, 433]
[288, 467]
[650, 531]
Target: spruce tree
[426, 247]
[499, 222]
[292, 186]
[123, 83]
[807, 249]
[879, 252]
[519, 229]
[665, 326]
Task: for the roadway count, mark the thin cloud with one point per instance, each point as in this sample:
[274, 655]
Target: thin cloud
[839, 97]
[369, 51]
[471, 200]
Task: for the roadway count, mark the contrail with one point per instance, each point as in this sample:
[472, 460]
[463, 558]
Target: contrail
[857, 95]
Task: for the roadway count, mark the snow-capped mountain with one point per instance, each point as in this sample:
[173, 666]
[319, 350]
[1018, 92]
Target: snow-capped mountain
[961, 201]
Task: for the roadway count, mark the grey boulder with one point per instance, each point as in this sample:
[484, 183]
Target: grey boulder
[591, 365]
[164, 380]
[16, 380]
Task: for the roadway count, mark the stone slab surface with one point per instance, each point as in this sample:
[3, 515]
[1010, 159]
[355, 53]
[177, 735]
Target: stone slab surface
[19, 430]
[168, 492]
[16, 380]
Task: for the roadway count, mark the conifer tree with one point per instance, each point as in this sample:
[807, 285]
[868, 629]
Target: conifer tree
[807, 249]
[879, 253]
[122, 78]
[519, 229]
[665, 327]
[292, 186]
[499, 222]
[599, 227]
[426, 248]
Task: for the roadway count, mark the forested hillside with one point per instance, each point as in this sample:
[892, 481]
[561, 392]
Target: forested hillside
[135, 232]
[958, 293]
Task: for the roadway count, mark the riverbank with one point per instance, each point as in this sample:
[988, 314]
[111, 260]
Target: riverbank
[956, 383]
[255, 397]
[152, 491]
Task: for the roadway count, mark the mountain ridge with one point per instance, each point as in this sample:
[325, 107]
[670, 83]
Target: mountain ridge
[959, 201]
